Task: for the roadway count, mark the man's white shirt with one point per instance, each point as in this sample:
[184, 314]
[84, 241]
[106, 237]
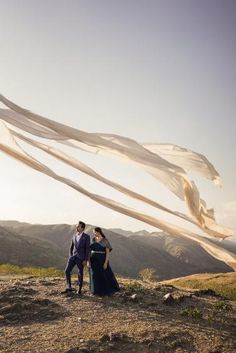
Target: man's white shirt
[77, 237]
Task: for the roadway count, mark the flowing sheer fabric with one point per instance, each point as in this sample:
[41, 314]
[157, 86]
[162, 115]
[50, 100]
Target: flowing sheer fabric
[170, 171]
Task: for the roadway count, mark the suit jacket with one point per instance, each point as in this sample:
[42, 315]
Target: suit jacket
[80, 249]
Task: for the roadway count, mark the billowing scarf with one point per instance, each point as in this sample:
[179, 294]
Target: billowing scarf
[166, 162]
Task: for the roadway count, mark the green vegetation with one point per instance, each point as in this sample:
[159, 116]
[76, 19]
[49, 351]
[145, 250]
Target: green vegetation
[134, 286]
[32, 271]
[223, 283]
[191, 312]
[222, 305]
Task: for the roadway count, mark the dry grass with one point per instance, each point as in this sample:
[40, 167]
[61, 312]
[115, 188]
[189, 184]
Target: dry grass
[8, 269]
[222, 283]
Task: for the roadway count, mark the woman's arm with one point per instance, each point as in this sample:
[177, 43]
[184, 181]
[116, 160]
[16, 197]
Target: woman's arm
[107, 259]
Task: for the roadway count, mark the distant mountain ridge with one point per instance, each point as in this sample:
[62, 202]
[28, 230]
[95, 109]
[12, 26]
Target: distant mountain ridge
[27, 244]
[24, 250]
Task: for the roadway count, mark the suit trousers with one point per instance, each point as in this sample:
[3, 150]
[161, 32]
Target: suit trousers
[72, 261]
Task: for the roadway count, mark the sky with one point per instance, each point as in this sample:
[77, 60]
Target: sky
[156, 71]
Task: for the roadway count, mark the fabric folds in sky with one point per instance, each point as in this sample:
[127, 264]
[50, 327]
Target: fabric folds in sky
[167, 163]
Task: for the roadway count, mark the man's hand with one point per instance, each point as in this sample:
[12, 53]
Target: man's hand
[84, 263]
[105, 266]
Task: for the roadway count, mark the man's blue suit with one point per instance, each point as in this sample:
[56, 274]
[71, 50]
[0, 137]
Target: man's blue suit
[79, 252]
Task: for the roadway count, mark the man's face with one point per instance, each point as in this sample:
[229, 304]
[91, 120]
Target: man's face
[79, 228]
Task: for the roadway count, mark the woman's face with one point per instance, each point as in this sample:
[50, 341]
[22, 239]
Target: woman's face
[97, 234]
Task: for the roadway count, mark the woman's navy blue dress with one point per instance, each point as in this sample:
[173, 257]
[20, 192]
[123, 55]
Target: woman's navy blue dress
[102, 282]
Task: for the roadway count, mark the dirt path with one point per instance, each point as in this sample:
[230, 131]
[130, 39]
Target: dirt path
[35, 317]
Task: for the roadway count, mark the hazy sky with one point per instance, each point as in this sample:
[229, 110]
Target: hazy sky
[155, 71]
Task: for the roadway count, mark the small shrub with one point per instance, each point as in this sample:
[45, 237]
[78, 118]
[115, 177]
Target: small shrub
[192, 312]
[148, 274]
[221, 305]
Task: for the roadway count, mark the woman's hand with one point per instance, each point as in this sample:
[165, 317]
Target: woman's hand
[105, 266]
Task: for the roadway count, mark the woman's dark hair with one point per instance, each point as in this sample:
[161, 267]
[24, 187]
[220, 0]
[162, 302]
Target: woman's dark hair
[99, 230]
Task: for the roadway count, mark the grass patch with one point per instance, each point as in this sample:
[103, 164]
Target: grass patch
[191, 312]
[223, 284]
[222, 305]
[134, 287]
[8, 269]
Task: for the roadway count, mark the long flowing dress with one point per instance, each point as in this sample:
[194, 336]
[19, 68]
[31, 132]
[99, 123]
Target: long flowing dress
[102, 282]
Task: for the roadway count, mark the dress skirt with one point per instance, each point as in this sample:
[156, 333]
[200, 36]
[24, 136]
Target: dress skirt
[102, 282]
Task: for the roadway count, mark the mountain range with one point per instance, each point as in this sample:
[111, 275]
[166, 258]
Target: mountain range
[27, 244]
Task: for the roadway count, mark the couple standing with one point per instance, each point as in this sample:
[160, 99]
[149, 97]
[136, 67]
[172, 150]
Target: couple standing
[96, 257]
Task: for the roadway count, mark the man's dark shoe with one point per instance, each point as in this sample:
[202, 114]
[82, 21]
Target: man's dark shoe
[67, 290]
[78, 292]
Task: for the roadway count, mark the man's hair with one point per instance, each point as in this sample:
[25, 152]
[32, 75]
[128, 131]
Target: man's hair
[82, 224]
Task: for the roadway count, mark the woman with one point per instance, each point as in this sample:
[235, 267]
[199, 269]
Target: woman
[102, 279]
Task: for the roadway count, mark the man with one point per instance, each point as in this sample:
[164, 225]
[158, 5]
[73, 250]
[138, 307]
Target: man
[79, 254]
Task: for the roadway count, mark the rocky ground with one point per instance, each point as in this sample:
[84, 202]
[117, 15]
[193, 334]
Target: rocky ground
[142, 317]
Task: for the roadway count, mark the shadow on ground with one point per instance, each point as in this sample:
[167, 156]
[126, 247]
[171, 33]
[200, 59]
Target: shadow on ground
[20, 305]
[123, 343]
